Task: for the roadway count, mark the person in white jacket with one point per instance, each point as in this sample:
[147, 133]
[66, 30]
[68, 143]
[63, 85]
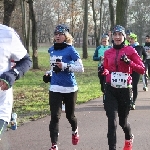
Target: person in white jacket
[11, 48]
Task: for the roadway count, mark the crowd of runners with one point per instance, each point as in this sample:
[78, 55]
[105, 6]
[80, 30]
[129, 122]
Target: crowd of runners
[122, 62]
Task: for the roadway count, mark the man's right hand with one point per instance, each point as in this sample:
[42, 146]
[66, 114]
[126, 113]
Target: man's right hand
[3, 85]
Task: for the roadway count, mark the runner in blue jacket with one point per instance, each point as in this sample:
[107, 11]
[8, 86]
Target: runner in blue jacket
[99, 56]
[64, 61]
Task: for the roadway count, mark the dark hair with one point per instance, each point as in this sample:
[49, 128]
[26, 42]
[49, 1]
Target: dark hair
[128, 32]
[147, 36]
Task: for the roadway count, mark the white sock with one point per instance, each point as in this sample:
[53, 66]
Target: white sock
[76, 131]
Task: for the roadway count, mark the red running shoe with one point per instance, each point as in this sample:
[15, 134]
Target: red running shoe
[75, 138]
[128, 144]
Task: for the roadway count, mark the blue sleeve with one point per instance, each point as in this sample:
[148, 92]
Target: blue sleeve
[22, 67]
[74, 54]
[95, 56]
[49, 50]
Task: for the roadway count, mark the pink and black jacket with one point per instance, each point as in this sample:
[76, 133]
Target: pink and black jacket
[112, 62]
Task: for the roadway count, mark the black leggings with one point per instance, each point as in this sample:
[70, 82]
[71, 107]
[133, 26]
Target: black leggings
[147, 74]
[117, 100]
[55, 100]
[135, 81]
[102, 82]
[147, 65]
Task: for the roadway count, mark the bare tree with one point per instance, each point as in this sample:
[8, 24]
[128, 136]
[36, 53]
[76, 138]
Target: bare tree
[24, 23]
[9, 6]
[121, 12]
[97, 28]
[34, 35]
[95, 23]
[112, 13]
[85, 31]
[139, 19]
[100, 19]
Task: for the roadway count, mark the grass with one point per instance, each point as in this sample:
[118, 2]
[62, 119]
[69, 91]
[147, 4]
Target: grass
[31, 93]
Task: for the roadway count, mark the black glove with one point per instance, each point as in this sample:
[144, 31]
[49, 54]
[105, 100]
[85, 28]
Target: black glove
[101, 69]
[47, 78]
[56, 69]
[9, 77]
[125, 58]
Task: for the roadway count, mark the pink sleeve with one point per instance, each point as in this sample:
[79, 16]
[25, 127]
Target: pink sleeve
[106, 72]
[136, 64]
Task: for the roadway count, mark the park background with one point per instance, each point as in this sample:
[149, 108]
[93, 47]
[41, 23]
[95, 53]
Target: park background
[88, 20]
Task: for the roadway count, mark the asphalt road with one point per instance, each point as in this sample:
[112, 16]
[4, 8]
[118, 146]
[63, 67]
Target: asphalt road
[92, 124]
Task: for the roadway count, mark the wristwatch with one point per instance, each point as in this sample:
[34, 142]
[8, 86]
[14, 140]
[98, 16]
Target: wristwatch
[68, 65]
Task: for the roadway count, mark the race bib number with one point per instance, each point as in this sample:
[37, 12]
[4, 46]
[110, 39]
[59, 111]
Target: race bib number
[119, 80]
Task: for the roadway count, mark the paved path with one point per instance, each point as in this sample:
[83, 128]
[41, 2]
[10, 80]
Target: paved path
[92, 124]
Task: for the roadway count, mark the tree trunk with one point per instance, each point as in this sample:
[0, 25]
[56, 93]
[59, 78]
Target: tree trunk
[9, 6]
[85, 30]
[95, 23]
[112, 13]
[100, 29]
[72, 17]
[28, 36]
[121, 12]
[34, 35]
[24, 28]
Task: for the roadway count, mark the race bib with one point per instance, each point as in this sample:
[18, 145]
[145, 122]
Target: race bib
[119, 79]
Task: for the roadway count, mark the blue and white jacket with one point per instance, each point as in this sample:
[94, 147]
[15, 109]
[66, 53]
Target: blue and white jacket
[64, 81]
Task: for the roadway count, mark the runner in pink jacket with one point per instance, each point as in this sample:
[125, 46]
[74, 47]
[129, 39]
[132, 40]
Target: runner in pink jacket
[119, 62]
[112, 62]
